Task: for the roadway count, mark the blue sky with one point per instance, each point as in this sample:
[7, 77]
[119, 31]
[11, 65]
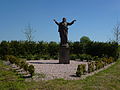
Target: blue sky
[95, 18]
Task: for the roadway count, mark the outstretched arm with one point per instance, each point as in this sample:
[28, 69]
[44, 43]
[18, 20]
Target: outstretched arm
[71, 22]
[55, 21]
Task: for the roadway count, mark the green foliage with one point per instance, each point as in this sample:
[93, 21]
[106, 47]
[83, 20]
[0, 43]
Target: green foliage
[110, 60]
[37, 57]
[6, 57]
[51, 49]
[85, 57]
[73, 56]
[105, 60]
[13, 59]
[81, 69]
[107, 79]
[99, 65]
[22, 63]
[95, 58]
[9, 80]
[25, 67]
[55, 57]
[31, 70]
[85, 39]
[91, 67]
[29, 57]
[46, 57]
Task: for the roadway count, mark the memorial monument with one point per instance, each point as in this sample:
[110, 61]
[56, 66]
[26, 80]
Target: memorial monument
[64, 47]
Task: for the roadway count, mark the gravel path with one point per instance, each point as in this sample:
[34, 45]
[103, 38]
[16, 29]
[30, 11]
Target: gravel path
[53, 70]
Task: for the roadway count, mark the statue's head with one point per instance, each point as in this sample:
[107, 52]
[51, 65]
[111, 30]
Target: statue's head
[64, 19]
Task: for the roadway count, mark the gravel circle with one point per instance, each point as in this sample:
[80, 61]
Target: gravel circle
[53, 70]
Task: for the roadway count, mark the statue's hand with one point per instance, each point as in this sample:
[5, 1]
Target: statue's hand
[54, 20]
[74, 20]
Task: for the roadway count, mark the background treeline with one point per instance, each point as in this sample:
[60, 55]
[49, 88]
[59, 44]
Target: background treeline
[47, 50]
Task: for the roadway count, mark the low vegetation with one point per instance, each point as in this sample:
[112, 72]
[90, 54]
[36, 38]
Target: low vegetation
[85, 49]
[94, 65]
[108, 79]
[22, 64]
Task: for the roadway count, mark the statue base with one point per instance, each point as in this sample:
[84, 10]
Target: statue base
[64, 55]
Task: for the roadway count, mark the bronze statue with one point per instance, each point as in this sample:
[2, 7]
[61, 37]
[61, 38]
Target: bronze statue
[63, 31]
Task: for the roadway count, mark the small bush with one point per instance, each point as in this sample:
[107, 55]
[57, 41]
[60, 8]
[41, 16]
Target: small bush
[105, 60]
[85, 57]
[6, 57]
[55, 57]
[29, 57]
[46, 57]
[91, 67]
[17, 62]
[36, 58]
[31, 70]
[12, 59]
[25, 67]
[73, 56]
[95, 58]
[81, 69]
[22, 63]
[110, 60]
[99, 65]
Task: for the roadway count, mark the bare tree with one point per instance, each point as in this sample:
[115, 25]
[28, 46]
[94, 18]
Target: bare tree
[116, 32]
[28, 31]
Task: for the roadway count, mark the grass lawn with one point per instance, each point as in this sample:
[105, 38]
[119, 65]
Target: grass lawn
[108, 79]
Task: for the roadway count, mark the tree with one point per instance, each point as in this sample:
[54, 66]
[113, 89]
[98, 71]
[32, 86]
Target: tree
[85, 39]
[116, 32]
[29, 33]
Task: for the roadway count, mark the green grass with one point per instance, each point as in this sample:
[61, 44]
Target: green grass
[108, 79]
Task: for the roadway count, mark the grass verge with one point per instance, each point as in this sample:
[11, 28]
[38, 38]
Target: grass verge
[108, 79]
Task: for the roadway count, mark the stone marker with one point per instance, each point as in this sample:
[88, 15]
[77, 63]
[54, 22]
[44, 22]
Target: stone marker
[64, 55]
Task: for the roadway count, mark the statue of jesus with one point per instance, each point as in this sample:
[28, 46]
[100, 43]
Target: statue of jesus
[63, 31]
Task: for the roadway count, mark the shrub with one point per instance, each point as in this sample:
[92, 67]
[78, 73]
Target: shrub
[110, 60]
[105, 60]
[81, 69]
[84, 68]
[91, 66]
[22, 63]
[6, 57]
[12, 59]
[73, 56]
[31, 70]
[55, 57]
[36, 58]
[17, 62]
[29, 57]
[95, 58]
[85, 57]
[99, 65]
[46, 57]
[25, 67]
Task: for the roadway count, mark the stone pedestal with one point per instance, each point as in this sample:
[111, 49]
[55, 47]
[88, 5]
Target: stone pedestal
[64, 55]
